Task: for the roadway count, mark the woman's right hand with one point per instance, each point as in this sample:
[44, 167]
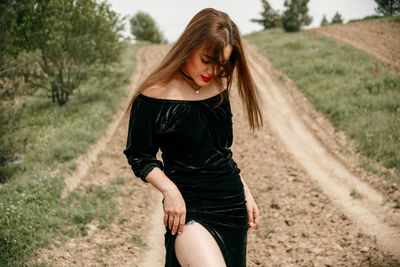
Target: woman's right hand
[174, 210]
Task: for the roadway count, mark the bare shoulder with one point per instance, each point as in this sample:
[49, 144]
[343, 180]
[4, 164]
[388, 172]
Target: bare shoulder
[156, 91]
[170, 90]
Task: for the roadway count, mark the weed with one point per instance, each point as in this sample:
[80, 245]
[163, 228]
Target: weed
[129, 192]
[317, 189]
[72, 166]
[268, 229]
[97, 203]
[121, 220]
[355, 194]
[136, 239]
[120, 180]
[368, 166]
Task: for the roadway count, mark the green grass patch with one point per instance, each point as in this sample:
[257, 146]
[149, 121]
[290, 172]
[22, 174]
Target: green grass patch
[355, 194]
[369, 166]
[337, 79]
[34, 215]
[120, 180]
[377, 18]
[95, 202]
[268, 229]
[32, 212]
[137, 240]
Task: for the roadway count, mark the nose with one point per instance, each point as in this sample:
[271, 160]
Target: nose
[210, 72]
[213, 70]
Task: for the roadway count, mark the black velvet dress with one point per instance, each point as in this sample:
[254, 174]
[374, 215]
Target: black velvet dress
[195, 137]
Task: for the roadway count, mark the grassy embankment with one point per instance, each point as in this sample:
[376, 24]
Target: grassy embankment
[337, 79]
[32, 212]
[378, 18]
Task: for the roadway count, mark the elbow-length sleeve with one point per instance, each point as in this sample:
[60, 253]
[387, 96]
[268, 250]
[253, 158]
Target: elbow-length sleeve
[142, 145]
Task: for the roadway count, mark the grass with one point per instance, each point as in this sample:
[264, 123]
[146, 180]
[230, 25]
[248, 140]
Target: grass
[137, 240]
[268, 229]
[337, 79]
[94, 202]
[32, 212]
[355, 194]
[377, 18]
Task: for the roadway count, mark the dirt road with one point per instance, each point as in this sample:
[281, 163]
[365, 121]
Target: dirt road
[302, 187]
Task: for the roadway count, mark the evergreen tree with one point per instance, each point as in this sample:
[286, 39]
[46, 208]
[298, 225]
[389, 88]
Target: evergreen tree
[295, 16]
[337, 18]
[270, 18]
[324, 21]
[144, 28]
[388, 7]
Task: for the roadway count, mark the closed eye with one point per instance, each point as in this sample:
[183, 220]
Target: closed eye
[204, 61]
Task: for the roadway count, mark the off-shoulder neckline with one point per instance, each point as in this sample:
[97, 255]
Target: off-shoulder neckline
[165, 100]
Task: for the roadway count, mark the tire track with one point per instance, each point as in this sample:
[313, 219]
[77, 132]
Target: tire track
[322, 166]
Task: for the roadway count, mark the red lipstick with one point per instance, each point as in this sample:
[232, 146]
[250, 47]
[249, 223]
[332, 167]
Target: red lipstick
[206, 79]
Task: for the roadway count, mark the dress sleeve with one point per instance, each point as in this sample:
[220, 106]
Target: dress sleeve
[142, 145]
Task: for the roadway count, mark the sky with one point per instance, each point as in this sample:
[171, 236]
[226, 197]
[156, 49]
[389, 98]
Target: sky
[172, 16]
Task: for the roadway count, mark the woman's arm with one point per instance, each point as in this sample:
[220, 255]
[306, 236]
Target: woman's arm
[252, 209]
[141, 149]
[174, 204]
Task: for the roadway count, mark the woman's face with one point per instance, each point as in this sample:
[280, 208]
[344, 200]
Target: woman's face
[200, 65]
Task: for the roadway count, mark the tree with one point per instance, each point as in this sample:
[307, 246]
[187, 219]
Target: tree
[72, 37]
[10, 11]
[144, 28]
[324, 21]
[8, 18]
[337, 18]
[295, 16]
[270, 18]
[388, 7]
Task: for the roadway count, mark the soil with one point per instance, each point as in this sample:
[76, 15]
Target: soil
[303, 185]
[380, 39]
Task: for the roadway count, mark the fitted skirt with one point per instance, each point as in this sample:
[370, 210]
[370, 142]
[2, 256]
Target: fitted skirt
[221, 209]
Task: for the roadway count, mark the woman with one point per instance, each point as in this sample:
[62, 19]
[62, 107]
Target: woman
[183, 108]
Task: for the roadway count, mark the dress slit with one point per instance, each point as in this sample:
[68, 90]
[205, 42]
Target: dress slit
[228, 227]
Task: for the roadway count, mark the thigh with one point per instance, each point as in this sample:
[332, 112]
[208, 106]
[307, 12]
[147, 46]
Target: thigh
[196, 247]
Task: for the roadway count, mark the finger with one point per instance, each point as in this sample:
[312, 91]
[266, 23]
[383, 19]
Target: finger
[175, 225]
[181, 224]
[170, 221]
[165, 219]
[256, 216]
[250, 217]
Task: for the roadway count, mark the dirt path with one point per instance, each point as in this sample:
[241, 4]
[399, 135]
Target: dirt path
[380, 39]
[127, 240]
[335, 180]
[301, 186]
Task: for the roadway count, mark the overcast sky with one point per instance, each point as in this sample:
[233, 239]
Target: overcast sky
[172, 16]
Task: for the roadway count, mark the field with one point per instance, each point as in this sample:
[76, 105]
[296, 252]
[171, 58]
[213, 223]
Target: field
[322, 171]
[340, 82]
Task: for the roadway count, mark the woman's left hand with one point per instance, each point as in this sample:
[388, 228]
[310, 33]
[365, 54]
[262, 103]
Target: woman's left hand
[252, 210]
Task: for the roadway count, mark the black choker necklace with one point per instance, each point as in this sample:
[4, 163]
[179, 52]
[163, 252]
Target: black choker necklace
[190, 78]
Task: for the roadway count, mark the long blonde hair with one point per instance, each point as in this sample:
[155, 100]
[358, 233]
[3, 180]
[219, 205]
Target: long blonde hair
[214, 30]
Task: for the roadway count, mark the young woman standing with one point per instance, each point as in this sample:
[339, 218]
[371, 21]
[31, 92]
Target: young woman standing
[183, 108]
